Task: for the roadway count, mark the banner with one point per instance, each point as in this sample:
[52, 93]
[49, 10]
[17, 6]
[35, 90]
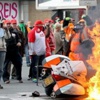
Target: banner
[57, 4]
[9, 9]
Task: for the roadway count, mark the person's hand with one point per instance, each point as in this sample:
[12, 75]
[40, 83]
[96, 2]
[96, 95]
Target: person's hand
[34, 53]
[18, 44]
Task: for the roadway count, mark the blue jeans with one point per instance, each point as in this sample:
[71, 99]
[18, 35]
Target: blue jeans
[35, 61]
[27, 54]
[2, 58]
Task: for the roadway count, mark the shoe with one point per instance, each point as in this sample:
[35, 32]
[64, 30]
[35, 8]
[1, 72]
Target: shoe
[40, 78]
[20, 81]
[30, 78]
[34, 80]
[1, 87]
[35, 94]
[7, 82]
[14, 77]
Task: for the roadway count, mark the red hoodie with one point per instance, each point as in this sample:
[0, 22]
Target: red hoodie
[36, 39]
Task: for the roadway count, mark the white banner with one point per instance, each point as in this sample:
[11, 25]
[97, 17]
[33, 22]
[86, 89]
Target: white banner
[88, 2]
[57, 4]
[9, 9]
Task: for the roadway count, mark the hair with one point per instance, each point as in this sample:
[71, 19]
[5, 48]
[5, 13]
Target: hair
[57, 25]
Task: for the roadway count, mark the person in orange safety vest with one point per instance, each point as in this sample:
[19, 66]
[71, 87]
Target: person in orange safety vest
[78, 37]
[68, 32]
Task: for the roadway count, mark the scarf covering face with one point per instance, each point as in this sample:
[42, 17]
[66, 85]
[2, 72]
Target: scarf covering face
[38, 27]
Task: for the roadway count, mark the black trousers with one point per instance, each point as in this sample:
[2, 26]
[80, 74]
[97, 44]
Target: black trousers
[36, 61]
[16, 60]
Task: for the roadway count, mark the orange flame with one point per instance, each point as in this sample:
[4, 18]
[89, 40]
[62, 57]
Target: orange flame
[94, 87]
[94, 82]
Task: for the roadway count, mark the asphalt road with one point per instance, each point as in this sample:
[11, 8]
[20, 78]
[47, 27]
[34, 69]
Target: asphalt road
[23, 91]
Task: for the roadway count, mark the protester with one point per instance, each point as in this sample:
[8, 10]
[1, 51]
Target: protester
[58, 40]
[21, 48]
[47, 34]
[2, 50]
[12, 55]
[68, 33]
[23, 29]
[29, 26]
[50, 35]
[37, 47]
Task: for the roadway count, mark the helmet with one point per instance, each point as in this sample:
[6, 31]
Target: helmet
[66, 21]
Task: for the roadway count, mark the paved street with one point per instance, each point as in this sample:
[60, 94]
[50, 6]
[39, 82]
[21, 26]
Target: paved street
[23, 91]
[14, 90]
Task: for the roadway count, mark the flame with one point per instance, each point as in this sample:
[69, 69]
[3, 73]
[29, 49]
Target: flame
[94, 87]
[94, 82]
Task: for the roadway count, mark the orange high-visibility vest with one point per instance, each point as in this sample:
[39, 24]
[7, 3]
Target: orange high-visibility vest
[75, 42]
[28, 29]
[76, 53]
[69, 31]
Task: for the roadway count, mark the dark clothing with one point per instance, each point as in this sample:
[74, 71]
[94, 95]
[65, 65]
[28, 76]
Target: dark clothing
[12, 54]
[16, 60]
[21, 48]
[36, 61]
[11, 41]
[25, 32]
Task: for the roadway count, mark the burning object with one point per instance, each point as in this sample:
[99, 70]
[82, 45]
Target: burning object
[94, 87]
[62, 76]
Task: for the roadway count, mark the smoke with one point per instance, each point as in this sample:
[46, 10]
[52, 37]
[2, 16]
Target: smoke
[86, 48]
[94, 12]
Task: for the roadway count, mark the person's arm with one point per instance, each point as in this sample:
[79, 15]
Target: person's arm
[47, 31]
[18, 40]
[31, 41]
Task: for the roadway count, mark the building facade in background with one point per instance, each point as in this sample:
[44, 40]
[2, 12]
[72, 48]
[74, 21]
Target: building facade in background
[9, 10]
[22, 10]
[26, 10]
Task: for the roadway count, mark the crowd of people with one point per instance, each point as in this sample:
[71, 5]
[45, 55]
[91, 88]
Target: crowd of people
[38, 41]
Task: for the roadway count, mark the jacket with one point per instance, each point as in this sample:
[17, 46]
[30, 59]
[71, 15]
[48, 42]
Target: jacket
[2, 40]
[12, 38]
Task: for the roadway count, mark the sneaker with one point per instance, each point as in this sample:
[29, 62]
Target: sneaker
[34, 80]
[40, 78]
[30, 78]
[14, 77]
[1, 87]
[20, 81]
[7, 82]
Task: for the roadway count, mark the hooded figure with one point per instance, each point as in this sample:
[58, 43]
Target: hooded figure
[37, 47]
[88, 20]
[66, 21]
[36, 39]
